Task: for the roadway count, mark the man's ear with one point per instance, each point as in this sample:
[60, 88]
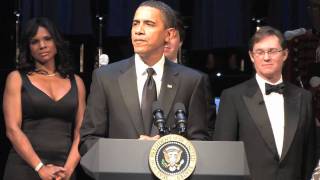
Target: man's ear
[170, 34]
[180, 44]
[251, 56]
[285, 55]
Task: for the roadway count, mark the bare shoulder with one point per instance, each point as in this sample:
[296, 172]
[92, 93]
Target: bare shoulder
[13, 78]
[80, 83]
[78, 79]
[13, 84]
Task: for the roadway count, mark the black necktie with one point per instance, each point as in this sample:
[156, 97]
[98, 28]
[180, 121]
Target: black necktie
[149, 94]
[274, 88]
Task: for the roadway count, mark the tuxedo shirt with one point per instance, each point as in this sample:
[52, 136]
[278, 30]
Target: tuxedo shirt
[275, 108]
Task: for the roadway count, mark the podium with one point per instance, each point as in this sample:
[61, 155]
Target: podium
[128, 159]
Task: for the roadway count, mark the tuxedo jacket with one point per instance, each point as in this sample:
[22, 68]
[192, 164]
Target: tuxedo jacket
[113, 109]
[242, 116]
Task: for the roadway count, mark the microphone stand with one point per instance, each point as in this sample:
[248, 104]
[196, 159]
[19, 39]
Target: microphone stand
[16, 12]
[100, 37]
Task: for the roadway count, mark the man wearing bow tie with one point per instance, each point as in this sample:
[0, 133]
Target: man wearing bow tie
[272, 117]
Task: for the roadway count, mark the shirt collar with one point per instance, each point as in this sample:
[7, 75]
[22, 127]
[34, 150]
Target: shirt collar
[141, 66]
[261, 83]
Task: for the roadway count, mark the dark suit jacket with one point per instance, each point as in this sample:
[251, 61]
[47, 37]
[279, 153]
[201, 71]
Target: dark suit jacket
[113, 108]
[242, 116]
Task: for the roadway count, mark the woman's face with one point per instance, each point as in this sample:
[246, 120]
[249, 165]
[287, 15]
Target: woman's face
[42, 46]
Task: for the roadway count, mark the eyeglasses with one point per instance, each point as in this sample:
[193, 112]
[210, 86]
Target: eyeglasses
[270, 52]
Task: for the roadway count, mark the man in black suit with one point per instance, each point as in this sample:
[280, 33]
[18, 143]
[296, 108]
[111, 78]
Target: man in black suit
[172, 48]
[272, 117]
[117, 90]
[172, 52]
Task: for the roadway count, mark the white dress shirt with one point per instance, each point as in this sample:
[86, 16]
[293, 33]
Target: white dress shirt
[142, 74]
[275, 107]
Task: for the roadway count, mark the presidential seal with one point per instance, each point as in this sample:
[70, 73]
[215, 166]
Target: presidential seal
[172, 157]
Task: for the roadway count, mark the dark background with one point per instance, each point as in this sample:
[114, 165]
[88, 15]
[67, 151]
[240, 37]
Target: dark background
[220, 28]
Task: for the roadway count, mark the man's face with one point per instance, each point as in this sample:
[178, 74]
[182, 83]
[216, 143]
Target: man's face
[148, 32]
[171, 48]
[268, 58]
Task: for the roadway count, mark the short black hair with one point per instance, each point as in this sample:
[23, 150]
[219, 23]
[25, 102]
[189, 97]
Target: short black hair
[265, 31]
[167, 12]
[26, 62]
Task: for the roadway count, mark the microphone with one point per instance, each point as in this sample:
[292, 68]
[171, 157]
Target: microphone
[181, 118]
[158, 117]
[294, 33]
[103, 60]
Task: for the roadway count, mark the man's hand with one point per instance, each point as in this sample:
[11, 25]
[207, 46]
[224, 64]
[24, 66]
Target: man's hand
[149, 138]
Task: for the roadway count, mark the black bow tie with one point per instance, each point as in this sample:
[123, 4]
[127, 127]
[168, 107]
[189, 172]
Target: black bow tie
[274, 88]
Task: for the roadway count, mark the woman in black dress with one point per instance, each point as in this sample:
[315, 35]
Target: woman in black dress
[43, 106]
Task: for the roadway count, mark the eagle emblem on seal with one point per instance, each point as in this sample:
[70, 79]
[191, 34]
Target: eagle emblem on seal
[172, 158]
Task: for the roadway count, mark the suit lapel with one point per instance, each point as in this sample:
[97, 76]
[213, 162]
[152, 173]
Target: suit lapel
[169, 86]
[292, 103]
[128, 87]
[258, 111]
